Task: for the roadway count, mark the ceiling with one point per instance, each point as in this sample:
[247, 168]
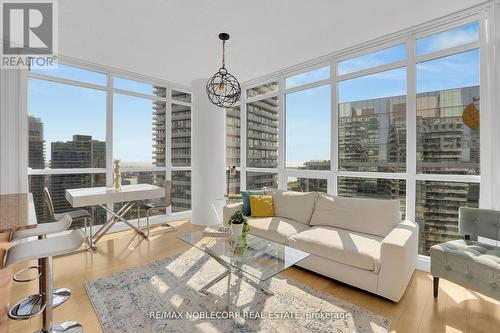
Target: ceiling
[176, 40]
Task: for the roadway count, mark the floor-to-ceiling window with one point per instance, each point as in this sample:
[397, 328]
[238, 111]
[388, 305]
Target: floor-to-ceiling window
[81, 119]
[447, 161]
[66, 136]
[262, 115]
[372, 116]
[395, 121]
[308, 130]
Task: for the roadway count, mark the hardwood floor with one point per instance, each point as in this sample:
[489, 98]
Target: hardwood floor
[455, 310]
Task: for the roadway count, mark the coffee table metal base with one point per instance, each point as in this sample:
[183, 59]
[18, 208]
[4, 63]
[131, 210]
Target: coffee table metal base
[229, 271]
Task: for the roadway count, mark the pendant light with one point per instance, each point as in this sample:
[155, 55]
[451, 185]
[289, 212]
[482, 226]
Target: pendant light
[223, 89]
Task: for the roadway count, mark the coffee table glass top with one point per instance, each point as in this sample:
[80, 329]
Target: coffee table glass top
[261, 258]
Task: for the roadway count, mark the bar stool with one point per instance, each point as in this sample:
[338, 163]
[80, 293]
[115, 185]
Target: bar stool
[44, 249]
[76, 214]
[61, 295]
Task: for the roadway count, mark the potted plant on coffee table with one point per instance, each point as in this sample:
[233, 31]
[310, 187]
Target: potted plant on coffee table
[238, 222]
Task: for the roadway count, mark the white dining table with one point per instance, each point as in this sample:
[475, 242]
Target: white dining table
[102, 196]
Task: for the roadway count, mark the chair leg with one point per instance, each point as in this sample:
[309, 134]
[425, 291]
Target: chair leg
[147, 221]
[90, 222]
[138, 216]
[436, 286]
[85, 226]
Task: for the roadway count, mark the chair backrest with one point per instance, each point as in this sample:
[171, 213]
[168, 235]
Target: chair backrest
[167, 184]
[479, 222]
[48, 202]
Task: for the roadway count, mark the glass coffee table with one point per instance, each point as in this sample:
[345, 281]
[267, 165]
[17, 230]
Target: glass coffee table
[256, 262]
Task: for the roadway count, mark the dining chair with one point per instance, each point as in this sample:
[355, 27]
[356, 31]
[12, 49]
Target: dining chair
[76, 214]
[157, 204]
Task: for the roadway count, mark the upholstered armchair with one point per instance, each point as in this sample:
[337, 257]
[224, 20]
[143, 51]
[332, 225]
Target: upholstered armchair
[471, 262]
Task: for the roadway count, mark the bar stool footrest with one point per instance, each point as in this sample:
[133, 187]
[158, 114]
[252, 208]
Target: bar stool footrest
[27, 308]
[64, 327]
[60, 295]
[18, 279]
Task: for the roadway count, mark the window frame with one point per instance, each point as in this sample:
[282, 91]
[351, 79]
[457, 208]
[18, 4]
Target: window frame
[409, 175]
[110, 91]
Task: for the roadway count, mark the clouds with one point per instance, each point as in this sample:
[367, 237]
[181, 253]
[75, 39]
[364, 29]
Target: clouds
[448, 39]
[458, 70]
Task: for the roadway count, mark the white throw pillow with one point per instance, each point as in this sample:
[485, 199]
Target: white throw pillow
[292, 205]
[369, 216]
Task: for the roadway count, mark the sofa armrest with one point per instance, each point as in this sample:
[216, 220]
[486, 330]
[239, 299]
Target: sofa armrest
[229, 209]
[398, 259]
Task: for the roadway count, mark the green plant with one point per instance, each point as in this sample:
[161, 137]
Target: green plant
[238, 218]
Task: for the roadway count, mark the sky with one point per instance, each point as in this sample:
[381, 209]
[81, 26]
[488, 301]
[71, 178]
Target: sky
[66, 110]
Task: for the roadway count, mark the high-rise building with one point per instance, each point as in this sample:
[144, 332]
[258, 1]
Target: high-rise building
[180, 148]
[36, 160]
[262, 141]
[372, 137]
[233, 149]
[36, 149]
[445, 145]
[81, 152]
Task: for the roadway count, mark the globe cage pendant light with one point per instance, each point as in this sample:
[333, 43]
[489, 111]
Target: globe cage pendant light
[223, 89]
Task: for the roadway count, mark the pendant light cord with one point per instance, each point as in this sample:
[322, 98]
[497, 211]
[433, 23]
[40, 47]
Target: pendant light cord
[223, 53]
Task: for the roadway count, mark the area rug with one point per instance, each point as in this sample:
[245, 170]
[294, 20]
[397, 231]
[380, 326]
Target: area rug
[163, 297]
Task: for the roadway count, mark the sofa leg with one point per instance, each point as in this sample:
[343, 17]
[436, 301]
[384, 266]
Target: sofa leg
[436, 286]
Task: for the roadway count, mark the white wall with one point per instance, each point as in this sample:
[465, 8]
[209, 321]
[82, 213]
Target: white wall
[13, 132]
[207, 158]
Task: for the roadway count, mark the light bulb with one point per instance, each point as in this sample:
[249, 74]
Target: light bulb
[221, 88]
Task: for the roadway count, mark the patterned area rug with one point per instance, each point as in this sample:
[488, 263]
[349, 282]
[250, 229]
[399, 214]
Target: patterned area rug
[163, 297]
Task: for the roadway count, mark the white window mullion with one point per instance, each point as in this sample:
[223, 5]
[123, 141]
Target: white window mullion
[411, 129]
[109, 137]
[488, 85]
[372, 70]
[243, 140]
[282, 181]
[334, 134]
[168, 142]
[109, 131]
[168, 135]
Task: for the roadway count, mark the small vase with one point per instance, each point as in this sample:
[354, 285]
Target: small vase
[237, 230]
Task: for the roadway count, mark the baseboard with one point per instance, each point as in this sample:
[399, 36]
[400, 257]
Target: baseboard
[424, 263]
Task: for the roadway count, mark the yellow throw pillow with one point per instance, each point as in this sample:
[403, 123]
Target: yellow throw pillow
[261, 205]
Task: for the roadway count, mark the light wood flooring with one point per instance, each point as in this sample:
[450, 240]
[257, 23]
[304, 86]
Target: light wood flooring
[455, 310]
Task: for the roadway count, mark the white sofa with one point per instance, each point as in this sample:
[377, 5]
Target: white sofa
[361, 242]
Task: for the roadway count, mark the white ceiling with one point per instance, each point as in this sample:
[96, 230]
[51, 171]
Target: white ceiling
[176, 40]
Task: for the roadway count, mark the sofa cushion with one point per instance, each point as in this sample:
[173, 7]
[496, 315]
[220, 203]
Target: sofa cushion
[261, 205]
[347, 247]
[292, 205]
[368, 216]
[245, 198]
[277, 229]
